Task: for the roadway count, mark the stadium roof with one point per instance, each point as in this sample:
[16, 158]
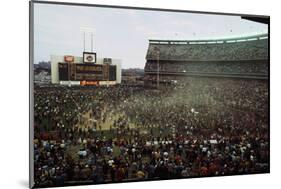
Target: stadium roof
[264, 20]
[211, 41]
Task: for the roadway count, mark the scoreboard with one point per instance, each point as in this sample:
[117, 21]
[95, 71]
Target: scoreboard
[86, 72]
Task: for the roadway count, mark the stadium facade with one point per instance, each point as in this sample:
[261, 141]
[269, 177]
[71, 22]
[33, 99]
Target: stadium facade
[73, 70]
[171, 61]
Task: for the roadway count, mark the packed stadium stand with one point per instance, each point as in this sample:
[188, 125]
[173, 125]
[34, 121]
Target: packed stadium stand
[244, 57]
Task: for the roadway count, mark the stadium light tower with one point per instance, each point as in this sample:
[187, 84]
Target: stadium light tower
[157, 53]
[87, 30]
[158, 57]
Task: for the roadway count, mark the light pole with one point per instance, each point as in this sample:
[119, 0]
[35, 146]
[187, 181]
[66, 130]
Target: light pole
[157, 69]
[156, 52]
[86, 32]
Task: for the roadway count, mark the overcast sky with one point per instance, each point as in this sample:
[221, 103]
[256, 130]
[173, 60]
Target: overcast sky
[123, 33]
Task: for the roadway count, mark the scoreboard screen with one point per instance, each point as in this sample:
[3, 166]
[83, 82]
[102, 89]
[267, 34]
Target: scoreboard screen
[63, 72]
[91, 69]
[87, 72]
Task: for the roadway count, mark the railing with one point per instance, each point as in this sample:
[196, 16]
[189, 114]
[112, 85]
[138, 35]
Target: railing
[213, 74]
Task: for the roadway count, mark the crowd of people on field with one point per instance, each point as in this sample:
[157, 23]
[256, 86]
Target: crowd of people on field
[198, 127]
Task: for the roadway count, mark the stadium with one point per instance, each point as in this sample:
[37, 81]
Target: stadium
[202, 111]
[169, 62]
